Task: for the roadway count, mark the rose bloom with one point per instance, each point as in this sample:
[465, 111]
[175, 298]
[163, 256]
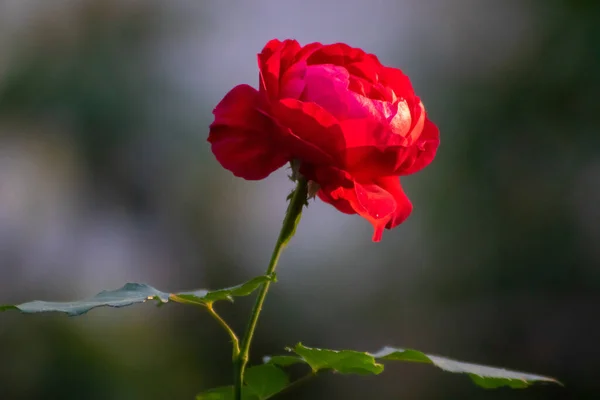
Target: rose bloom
[354, 125]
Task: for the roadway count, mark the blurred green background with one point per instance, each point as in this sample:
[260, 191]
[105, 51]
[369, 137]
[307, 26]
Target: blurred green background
[106, 177]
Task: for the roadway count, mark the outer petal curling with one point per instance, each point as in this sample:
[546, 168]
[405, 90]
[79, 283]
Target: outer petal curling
[423, 152]
[391, 184]
[382, 203]
[341, 54]
[273, 61]
[245, 140]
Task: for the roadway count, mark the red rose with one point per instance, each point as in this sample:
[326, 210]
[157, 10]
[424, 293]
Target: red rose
[354, 125]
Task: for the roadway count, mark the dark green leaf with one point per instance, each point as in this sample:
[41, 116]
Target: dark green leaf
[484, 376]
[224, 393]
[201, 297]
[261, 382]
[343, 361]
[265, 380]
[133, 293]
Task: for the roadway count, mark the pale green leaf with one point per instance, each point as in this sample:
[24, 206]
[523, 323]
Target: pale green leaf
[282, 361]
[133, 293]
[484, 376]
[129, 294]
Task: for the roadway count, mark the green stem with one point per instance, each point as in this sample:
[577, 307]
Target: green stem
[292, 217]
[234, 340]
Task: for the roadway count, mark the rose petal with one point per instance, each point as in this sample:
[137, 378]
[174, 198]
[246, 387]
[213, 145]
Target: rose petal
[369, 161]
[243, 139]
[404, 207]
[273, 61]
[327, 86]
[293, 82]
[382, 203]
[423, 152]
[334, 179]
[314, 135]
[370, 132]
[399, 82]
[366, 68]
[417, 122]
[330, 87]
[365, 65]
[376, 150]
[307, 51]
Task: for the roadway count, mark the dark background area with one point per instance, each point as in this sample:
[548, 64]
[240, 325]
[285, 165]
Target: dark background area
[106, 177]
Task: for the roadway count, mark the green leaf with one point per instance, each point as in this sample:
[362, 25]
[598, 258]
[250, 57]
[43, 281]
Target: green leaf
[354, 362]
[133, 293]
[343, 361]
[261, 382]
[283, 361]
[224, 393]
[221, 393]
[265, 380]
[129, 294]
[484, 376]
[202, 297]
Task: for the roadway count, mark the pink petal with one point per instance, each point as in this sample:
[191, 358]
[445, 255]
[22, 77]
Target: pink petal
[382, 203]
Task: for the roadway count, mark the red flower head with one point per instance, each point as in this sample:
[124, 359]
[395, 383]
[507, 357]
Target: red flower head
[354, 125]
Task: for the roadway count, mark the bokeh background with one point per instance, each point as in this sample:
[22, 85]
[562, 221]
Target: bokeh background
[106, 177]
